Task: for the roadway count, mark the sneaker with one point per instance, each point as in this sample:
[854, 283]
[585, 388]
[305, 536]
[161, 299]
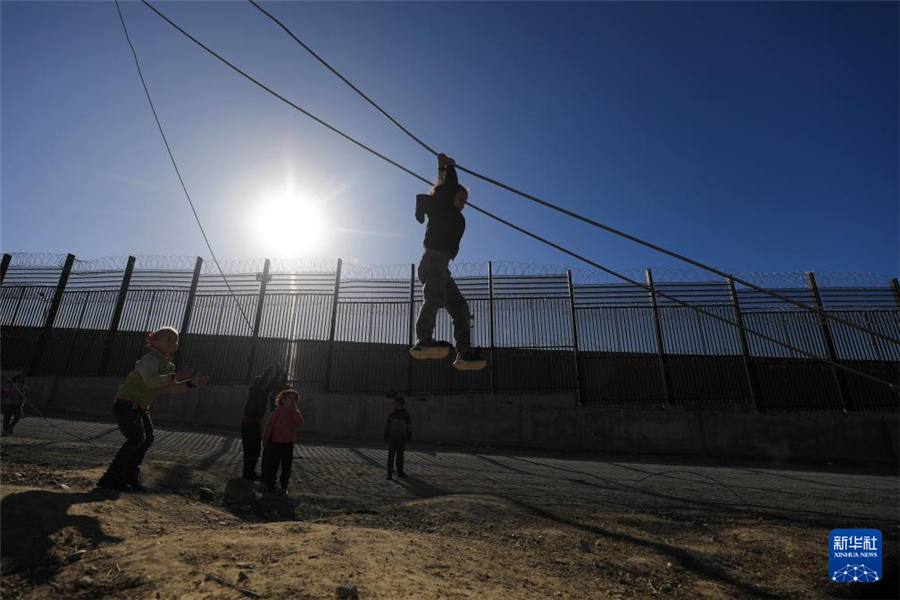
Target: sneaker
[402, 475]
[430, 349]
[389, 477]
[112, 482]
[251, 476]
[470, 360]
[283, 492]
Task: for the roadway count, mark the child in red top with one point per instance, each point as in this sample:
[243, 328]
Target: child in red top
[278, 439]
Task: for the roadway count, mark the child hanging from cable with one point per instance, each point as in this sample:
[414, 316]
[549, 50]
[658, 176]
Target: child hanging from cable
[152, 374]
[278, 440]
[397, 432]
[446, 224]
[264, 386]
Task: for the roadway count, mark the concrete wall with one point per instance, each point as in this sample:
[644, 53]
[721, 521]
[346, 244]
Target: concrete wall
[547, 422]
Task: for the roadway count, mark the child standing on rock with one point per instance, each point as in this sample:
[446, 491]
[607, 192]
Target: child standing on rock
[278, 440]
[152, 374]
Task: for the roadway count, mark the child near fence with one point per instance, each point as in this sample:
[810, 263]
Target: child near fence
[278, 440]
[152, 374]
[264, 386]
[397, 432]
[14, 396]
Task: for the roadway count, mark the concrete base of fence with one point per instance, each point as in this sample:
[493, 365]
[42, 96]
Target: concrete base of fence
[544, 422]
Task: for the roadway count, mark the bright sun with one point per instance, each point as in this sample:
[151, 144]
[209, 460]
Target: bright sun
[290, 224]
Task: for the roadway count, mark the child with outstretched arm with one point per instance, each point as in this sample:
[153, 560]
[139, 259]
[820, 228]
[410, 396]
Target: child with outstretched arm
[278, 440]
[152, 374]
[397, 431]
[445, 228]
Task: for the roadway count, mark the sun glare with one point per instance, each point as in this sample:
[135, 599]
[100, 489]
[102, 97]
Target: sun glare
[290, 224]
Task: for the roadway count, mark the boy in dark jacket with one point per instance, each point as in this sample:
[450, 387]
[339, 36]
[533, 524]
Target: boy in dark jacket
[397, 431]
[264, 386]
[445, 228]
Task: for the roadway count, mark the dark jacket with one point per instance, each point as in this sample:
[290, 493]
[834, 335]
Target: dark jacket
[398, 427]
[258, 396]
[446, 224]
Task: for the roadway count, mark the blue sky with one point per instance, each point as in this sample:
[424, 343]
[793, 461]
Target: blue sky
[753, 136]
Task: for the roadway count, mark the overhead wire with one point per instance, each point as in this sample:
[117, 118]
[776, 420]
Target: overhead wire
[177, 170]
[510, 224]
[566, 211]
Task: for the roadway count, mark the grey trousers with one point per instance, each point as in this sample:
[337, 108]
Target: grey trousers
[440, 291]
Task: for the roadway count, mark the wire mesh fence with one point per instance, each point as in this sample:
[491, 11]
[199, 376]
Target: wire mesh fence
[545, 329]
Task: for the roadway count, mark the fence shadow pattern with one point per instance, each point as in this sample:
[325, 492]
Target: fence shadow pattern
[546, 330]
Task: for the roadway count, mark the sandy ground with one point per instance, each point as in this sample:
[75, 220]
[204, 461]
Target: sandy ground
[469, 523]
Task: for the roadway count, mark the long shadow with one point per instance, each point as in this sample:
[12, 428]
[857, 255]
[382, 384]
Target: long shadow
[814, 517]
[421, 488]
[28, 521]
[689, 560]
[814, 482]
[95, 436]
[222, 450]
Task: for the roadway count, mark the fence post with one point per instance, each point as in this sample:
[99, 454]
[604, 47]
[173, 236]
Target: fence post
[660, 351]
[412, 326]
[184, 332]
[4, 266]
[491, 322]
[749, 369]
[106, 356]
[51, 315]
[579, 395]
[839, 379]
[264, 278]
[334, 306]
[896, 286]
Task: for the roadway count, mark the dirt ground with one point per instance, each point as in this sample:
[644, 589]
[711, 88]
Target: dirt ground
[469, 523]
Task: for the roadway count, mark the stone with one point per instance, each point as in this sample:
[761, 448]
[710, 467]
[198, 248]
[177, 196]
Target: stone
[245, 565]
[76, 555]
[206, 494]
[242, 576]
[346, 592]
[135, 581]
[63, 486]
[84, 582]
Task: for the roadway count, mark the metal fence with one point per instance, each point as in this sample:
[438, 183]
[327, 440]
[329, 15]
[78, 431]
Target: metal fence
[545, 329]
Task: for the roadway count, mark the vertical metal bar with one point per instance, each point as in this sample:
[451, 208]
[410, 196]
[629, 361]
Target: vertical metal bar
[839, 379]
[108, 344]
[184, 332]
[412, 326]
[870, 327]
[579, 395]
[4, 266]
[491, 322]
[41, 345]
[15, 314]
[334, 306]
[896, 285]
[749, 367]
[260, 303]
[660, 350]
[106, 355]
